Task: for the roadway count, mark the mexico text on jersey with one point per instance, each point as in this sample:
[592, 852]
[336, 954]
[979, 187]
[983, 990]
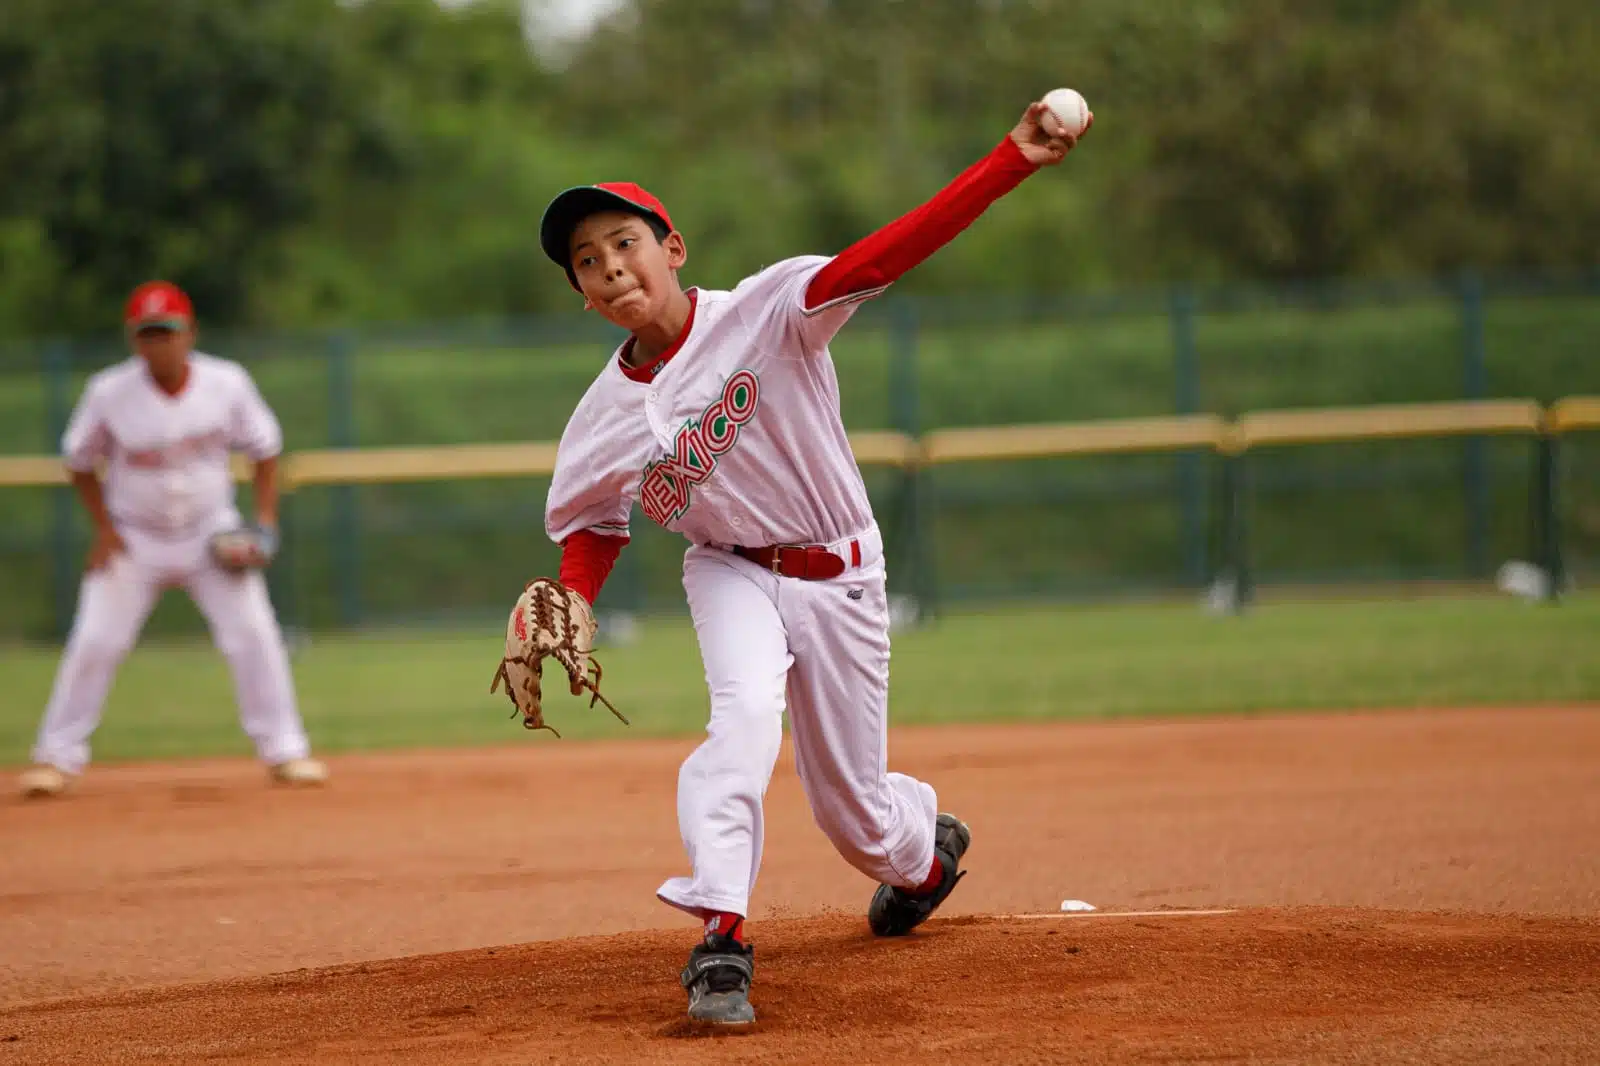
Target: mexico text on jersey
[667, 486]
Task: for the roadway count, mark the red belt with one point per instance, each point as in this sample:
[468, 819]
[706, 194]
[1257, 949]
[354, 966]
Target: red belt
[808, 562]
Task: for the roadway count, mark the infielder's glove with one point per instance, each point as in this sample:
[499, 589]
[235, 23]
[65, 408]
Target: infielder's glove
[549, 621]
[245, 548]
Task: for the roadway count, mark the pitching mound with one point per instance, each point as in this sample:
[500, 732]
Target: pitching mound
[1418, 887]
[1263, 985]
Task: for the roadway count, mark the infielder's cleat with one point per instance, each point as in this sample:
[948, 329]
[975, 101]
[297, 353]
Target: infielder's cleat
[299, 772]
[717, 979]
[895, 911]
[40, 781]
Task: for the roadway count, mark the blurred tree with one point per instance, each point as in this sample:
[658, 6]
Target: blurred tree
[456, 234]
[179, 138]
[1377, 137]
[307, 161]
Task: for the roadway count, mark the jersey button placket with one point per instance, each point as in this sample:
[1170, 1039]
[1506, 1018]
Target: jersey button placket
[652, 412]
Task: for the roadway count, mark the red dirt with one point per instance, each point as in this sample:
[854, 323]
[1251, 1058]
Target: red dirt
[1334, 831]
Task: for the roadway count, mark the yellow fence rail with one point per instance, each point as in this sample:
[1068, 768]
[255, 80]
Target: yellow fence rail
[1255, 430]
[1329, 425]
[1574, 413]
[1125, 436]
[1233, 441]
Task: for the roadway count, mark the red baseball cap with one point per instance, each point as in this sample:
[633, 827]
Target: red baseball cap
[576, 204]
[158, 303]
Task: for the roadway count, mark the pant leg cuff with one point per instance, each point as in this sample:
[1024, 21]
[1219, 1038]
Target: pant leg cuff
[679, 892]
[284, 750]
[40, 757]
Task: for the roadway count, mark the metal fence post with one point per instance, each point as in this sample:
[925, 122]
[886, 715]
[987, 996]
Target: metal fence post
[345, 534]
[1233, 515]
[281, 576]
[915, 489]
[1474, 385]
[57, 377]
[1244, 501]
[1546, 546]
[1185, 401]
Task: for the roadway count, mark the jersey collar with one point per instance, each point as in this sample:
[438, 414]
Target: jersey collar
[647, 373]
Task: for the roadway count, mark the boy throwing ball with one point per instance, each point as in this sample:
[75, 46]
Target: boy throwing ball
[720, 417]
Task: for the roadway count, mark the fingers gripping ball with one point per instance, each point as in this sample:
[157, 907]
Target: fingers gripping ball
[549, 621]
[245, 548]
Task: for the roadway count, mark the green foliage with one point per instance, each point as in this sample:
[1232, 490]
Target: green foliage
[1314, 140]
[171, 137]
[307, 162]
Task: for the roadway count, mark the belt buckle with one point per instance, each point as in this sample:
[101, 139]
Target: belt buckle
[777, 556]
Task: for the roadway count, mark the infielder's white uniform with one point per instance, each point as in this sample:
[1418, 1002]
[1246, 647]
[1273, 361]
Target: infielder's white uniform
[168, 489]
[738, 441]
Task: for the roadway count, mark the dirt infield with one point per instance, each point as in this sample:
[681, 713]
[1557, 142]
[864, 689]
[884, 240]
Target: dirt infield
[1332, 834]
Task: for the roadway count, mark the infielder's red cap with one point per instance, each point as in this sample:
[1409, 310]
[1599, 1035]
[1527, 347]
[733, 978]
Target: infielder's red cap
[578, 203]
[158, 303]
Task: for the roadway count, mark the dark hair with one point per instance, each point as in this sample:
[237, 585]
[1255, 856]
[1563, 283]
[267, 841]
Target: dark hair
[658, 227]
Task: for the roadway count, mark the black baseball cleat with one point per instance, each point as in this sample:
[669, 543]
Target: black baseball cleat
[895, 911]
[717, 979]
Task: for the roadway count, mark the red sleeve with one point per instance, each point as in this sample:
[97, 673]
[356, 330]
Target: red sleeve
[885, 256]
[586, 560]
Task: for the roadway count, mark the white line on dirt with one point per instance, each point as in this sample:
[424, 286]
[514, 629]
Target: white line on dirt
[1115, 914]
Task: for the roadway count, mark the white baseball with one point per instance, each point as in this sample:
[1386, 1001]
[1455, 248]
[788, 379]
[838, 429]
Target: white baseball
[1070, 109]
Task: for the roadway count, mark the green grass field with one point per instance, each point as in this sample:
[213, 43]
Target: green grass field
[426, 689]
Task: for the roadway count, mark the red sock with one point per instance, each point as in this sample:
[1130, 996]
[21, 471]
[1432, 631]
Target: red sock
[931, 883]
[725, 924]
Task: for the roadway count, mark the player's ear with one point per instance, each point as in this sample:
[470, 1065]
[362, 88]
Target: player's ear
[677, 251]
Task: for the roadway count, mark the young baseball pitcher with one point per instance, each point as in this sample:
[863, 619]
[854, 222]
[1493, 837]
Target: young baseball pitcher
[162, 425]
[720, 417]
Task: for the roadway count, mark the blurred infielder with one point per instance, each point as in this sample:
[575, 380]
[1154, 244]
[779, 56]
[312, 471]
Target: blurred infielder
[720, 417]
[163, 425]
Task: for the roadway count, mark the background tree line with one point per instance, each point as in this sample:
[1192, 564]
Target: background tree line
[308, 162]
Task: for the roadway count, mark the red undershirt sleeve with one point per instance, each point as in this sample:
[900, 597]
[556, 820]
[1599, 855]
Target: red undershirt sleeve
[885, 256]
[586, 560]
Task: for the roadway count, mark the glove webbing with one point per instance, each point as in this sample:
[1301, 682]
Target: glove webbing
[545, 621]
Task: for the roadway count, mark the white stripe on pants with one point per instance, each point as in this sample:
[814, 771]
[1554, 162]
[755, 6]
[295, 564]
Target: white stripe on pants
[113, 604]
[762, 638]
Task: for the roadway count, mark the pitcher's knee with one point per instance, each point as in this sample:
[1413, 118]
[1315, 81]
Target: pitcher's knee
[747, 712]
[861, 839]
[756, 732]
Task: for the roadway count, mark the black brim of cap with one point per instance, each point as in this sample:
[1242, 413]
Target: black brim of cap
[572, 207]
[171, 323]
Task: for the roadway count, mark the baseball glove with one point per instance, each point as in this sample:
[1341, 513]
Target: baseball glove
[245, 548]
[549, 621]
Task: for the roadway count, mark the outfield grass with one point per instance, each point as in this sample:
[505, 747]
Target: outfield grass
[431, 689]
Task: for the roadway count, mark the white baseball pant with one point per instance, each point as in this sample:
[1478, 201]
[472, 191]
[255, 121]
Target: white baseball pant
[823, 646]
[113, 604]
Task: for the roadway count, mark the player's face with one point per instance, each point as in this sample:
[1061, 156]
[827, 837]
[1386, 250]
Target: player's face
[164, 350]
[625, 273]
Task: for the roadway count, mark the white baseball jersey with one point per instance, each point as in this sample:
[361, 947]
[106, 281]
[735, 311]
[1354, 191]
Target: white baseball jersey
[166, 457]
[737, 440]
